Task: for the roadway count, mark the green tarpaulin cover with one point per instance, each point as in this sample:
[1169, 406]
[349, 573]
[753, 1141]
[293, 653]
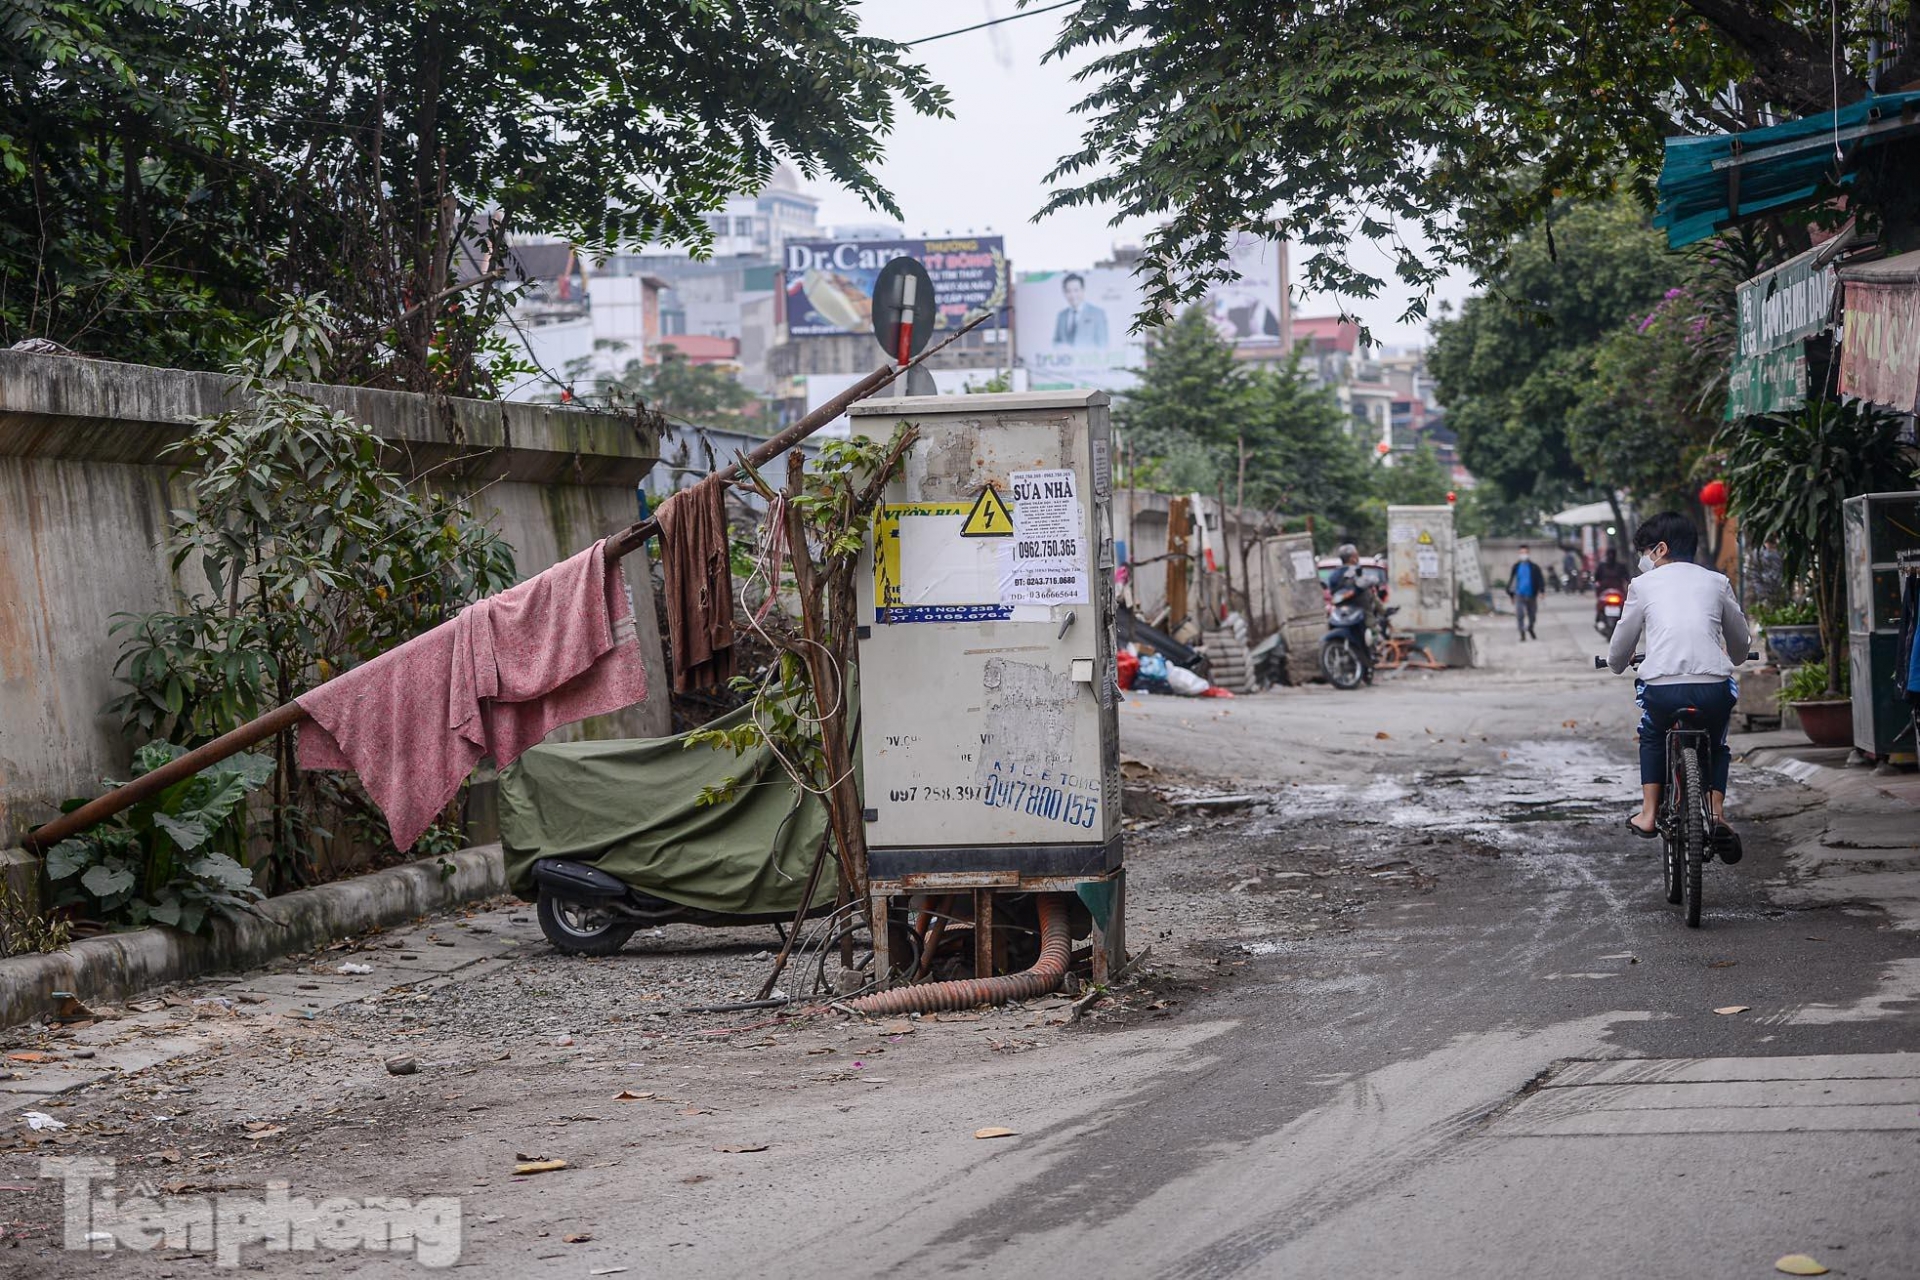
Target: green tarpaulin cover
[631, 807]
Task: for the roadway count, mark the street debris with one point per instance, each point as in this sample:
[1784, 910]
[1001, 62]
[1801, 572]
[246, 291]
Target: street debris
[578, 1237]
[350, 967]
[1799, 1264]
[404, 1065]
[743, 1149]
[995, 1132]
[41, 1122]
[628, 1095]
[536, 1164]
[1733, 1008]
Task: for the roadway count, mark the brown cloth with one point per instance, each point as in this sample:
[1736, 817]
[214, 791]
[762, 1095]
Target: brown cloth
[693, 550]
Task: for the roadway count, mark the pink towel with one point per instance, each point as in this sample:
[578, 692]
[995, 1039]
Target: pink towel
[497, 679]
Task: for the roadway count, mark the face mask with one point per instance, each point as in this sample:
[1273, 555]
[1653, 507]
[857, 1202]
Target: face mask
[1526, 555]
[1646, 563]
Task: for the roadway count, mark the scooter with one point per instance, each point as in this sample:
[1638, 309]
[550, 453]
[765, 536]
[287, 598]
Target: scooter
[1608, 606]
[585, 911]
[1346, 649]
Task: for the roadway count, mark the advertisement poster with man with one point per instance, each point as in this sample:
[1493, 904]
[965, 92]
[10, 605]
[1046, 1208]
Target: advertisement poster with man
[829, 283]
[1072, 328]
[1252, 311]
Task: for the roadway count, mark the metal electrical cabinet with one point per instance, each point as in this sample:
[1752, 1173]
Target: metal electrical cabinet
[1878, 527]
[989, 734]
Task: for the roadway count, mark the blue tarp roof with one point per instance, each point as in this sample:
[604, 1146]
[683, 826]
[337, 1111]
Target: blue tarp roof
[1710, 183]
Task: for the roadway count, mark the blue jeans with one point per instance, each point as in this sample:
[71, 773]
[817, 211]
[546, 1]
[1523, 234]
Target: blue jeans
[1660, 703]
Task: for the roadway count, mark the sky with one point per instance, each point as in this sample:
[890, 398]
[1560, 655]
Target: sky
[983, 171]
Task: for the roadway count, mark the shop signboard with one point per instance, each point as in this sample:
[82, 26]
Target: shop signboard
[829, 283]
[1777, 312]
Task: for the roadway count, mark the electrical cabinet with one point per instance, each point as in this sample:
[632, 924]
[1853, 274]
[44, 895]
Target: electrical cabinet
[1878, 527]
[989, 736]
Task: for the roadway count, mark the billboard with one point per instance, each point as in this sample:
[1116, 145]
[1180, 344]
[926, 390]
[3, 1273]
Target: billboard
[830, 282]
[1252, 311]
[1072, 328]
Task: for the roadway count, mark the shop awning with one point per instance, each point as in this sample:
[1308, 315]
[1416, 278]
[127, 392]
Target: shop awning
[1591, 513]
[1710, 183]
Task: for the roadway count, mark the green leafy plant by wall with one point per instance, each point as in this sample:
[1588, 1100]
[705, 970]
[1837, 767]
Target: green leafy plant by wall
[1787, 477]
[174, 859]
[314, 555]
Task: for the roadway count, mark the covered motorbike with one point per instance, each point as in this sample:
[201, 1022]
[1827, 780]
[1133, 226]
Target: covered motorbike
[610, 837]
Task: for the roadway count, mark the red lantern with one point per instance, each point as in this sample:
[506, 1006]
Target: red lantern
[1452, 497]
[1714, 494]
[1383, 448]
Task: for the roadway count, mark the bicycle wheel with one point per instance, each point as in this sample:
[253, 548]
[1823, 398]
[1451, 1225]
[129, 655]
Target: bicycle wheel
[1692, 828]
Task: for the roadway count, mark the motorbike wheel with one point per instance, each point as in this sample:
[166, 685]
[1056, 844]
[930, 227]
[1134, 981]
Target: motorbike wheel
[1607, 625]
[1339, 663]
[581, 928]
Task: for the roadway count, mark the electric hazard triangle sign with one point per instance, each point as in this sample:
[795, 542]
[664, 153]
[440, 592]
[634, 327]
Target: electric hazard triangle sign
[989, 517]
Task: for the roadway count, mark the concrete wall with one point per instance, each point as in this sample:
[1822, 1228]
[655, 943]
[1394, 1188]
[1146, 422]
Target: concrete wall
[84, 501]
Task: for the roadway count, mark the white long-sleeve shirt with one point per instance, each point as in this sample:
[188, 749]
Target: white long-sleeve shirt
[1688, 623]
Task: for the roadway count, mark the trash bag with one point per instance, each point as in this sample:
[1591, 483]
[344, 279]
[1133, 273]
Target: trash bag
[1127, 667]
[1152, 676]
[1185, 683]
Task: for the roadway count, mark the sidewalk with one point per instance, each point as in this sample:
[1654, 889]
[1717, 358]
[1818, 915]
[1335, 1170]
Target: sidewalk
[1858, 837]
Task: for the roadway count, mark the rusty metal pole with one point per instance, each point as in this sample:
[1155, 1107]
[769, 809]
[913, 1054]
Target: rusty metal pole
[284, 717]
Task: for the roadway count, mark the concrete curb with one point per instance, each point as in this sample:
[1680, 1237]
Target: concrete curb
[117, 966]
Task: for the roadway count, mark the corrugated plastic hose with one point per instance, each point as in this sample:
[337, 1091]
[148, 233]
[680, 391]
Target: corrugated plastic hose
[1056, 949]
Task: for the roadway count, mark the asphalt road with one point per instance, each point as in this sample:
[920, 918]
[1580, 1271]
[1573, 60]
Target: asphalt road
[1496, 1055]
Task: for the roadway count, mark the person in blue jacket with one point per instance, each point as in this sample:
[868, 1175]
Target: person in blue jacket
[1524, 585]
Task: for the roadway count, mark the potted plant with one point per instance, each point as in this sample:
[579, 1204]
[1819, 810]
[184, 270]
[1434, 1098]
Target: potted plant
[1826, 720]
[1791, 631]
[1787, 476]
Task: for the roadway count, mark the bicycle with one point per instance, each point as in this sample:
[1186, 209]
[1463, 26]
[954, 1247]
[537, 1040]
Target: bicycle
[1685, 816]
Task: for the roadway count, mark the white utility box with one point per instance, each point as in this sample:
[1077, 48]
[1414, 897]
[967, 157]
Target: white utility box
[989, 735]
[1420, 572]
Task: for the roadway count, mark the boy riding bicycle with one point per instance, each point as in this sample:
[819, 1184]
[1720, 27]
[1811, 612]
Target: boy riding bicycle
[1688, 623]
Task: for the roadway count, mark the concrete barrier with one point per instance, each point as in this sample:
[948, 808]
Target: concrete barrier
[115, 967]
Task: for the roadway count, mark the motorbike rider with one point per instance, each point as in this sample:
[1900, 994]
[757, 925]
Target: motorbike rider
[1611, 575]
[1690, 627]
[1350, 575]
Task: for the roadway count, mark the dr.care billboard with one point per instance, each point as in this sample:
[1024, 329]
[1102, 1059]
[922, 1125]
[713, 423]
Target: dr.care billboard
[830, 282]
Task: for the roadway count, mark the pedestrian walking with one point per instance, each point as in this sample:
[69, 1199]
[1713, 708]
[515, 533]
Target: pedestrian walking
[1524, 585]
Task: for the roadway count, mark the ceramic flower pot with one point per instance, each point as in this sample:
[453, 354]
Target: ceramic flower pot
[1795, 646]
[1826, 723]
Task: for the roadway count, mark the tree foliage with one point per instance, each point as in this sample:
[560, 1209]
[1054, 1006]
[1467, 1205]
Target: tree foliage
[169, 162]
[1198, 420]
[1435, 130]
[314, 557]
[1788, 476]
[1514, 365]
[702, 394]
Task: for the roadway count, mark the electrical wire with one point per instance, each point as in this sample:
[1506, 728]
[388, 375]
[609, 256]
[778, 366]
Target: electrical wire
[992, 22]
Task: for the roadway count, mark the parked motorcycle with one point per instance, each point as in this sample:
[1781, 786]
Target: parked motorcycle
[1607, 608]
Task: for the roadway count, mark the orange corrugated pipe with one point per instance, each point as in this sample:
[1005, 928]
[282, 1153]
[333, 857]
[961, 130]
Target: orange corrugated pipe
[1056, 950]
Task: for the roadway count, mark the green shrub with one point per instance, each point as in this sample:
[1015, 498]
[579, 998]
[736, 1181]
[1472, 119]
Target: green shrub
[1794, 613]
[1809, 684]
[172, 859]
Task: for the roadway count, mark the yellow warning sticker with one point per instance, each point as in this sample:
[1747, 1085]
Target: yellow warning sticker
[1425, 539]
[989, 517]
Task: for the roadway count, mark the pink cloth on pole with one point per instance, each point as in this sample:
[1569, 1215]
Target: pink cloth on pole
[494, 681]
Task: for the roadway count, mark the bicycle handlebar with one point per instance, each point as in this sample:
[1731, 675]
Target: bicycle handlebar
[1600, 663]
